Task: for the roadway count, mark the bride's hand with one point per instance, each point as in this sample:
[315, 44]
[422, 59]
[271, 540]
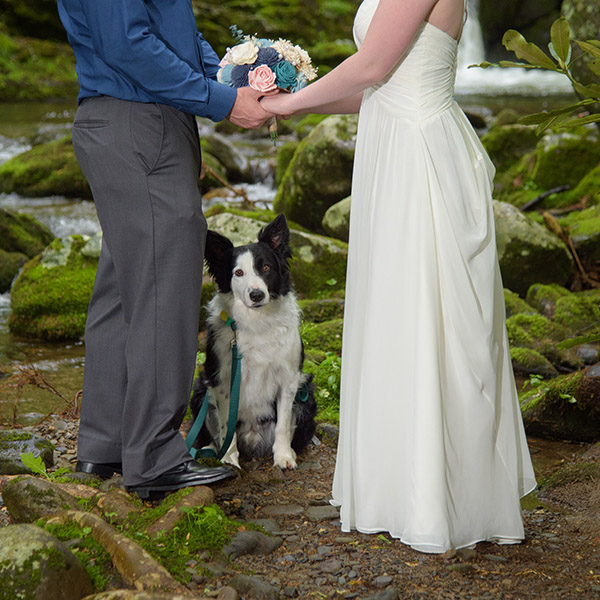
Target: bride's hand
[278, 104]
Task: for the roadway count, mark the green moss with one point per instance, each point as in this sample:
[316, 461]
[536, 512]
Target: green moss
[578, 314]
[285, 152]
[325, 337]
[327, 379]
[515, 305]
[529, 361]
[543, 297]
[22, 233]
[45, 170]
[51, 303]
[582, 223]
[507, 144]
[323, 309]
[307, 124]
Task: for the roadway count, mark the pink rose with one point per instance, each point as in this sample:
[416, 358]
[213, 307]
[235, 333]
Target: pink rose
[262, 79]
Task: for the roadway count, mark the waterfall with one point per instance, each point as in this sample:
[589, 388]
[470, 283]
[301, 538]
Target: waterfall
[494, 80]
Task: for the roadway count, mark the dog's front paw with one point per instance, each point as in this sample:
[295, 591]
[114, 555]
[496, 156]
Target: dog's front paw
[285, 459]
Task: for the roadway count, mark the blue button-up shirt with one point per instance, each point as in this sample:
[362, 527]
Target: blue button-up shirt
[145, 51]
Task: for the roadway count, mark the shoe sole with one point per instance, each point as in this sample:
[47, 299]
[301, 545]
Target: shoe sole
[145, 492]
[99, 470]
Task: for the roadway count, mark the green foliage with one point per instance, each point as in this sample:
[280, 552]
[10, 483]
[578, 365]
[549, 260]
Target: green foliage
[327, 379]
[38, 467]
[561, 59]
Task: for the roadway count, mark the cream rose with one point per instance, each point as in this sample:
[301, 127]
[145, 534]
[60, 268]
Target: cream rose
[262, 79]
[242, 54]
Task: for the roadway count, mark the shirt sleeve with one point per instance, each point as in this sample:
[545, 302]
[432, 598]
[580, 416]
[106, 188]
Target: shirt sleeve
[121, 35]
[210, 58]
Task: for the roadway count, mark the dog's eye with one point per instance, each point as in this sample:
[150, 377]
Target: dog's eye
[266, 268]
[238, 273]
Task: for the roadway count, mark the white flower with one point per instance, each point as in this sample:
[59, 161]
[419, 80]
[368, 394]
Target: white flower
[242, 54]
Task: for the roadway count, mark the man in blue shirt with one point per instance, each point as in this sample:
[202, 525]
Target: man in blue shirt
[144, 72]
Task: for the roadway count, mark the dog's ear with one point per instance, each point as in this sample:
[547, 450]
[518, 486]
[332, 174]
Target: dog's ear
[277, 235]
[218, 254]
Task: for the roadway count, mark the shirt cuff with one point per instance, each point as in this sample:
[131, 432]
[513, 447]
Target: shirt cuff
[220, 100]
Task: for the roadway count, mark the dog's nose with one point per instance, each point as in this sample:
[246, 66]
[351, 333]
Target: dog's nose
[257, 295]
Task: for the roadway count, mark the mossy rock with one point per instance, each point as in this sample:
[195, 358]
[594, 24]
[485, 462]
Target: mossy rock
[213, 173]
[566, 408]
[566, 161]
[527, 361]
[14, 442]
[584, 229]
[539, 333]
[527, 251]
[307, 124]
[35, 69]
[22, 233]
[34, 565]
[507, 144]
[515, 305]
[224, 151]
[50, 298]
[574, 311]
[45, 170]
[322, 309]
[325, 336]
[574, 472]
[336, 221]
[320, 172]
[285, 153]
[10, 263]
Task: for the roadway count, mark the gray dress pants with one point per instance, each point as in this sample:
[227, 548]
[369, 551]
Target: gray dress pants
[142, 163]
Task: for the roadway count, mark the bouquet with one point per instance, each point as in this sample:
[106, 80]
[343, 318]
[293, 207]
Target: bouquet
[265, 65]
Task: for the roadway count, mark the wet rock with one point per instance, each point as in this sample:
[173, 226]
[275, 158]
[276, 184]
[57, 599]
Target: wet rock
[320, 172]
[233, 161]
[34, 564]
[321, 513]
[50, 297]
[30, 498]
[336, 220]
[14, 442]
[251, 542]
[588, 354]
[527, 251]
[254, 588]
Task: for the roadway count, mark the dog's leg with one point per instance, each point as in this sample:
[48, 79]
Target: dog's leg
[283, 455]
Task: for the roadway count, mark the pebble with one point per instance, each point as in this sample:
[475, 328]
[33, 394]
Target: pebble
[321, 513]
[330, 566]
[276, 510]
[495, 558]
[382, 581]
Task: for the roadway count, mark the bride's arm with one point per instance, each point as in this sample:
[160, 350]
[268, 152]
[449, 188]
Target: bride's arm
[390, 33]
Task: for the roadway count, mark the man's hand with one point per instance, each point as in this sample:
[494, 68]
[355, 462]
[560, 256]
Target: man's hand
[247, 111]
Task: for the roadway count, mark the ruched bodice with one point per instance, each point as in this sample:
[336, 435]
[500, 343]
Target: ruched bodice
[432, 447]
[422, 83]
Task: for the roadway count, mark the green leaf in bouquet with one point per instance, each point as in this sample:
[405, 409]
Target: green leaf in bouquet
[592, 47]
[515, 42]
[560, 41]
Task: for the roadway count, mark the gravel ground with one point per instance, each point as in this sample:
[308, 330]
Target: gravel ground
[559, 559]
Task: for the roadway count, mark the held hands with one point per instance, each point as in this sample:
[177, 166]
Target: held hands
[248, 112]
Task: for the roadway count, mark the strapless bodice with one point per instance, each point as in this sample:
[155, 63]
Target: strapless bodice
[422, 83]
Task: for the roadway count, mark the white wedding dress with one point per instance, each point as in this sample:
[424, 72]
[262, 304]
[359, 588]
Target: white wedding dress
[432, 447]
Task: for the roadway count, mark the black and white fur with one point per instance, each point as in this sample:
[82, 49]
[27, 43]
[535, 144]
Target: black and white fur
[255, 289]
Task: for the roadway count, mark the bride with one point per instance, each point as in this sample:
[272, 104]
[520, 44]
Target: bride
[432, 448]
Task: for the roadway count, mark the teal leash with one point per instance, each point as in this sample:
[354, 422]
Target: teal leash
[234, 400]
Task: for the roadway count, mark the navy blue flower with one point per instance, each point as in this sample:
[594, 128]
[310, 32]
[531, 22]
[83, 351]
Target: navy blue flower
[267, 56]
[239, 75]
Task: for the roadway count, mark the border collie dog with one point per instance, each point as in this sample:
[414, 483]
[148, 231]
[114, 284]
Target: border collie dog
[255, 290]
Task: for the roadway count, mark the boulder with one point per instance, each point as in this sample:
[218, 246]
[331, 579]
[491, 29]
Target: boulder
[506, 144]
[566, 408]
[21, 238]
[45, 170]
[320, 172]
[31, 498]
[527, 251]
[14, 442]
[224, 151]
[50, 297]
[527, 361]
[584, 229]
[515, 305]
[336, 221]
[318, 263]
[34, 564]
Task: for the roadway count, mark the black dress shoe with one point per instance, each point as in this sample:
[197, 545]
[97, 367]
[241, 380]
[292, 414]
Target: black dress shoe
[104, 470]
[186, 475]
